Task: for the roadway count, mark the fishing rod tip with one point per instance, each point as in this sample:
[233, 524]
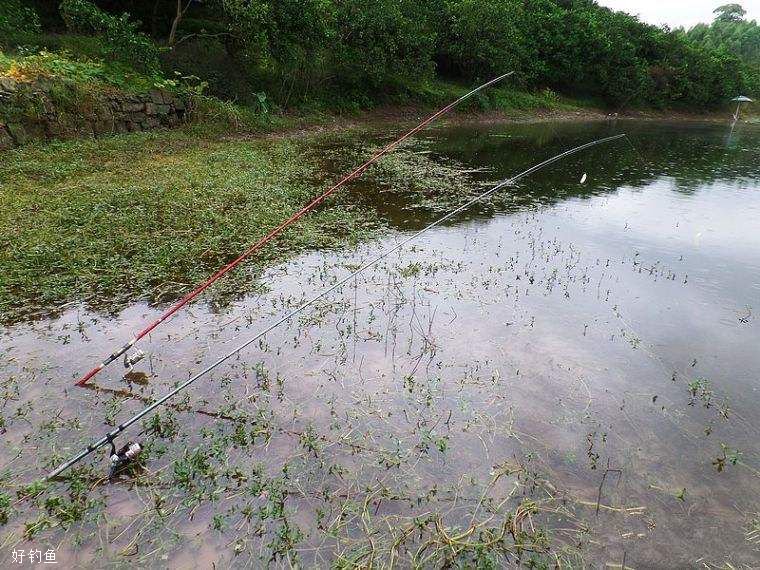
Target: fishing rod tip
[502, 76]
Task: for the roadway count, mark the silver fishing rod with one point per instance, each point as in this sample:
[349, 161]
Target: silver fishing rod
[109, 437]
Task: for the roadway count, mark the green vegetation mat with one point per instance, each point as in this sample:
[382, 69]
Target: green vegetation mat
[147, 215]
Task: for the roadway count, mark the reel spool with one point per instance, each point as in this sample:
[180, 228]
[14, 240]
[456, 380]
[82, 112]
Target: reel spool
[126, 455]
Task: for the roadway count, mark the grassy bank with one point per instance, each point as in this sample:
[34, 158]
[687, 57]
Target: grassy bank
[146, 215]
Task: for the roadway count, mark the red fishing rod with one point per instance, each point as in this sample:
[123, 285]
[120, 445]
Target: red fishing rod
[276, 231]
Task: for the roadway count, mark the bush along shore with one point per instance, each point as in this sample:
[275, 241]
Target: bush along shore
[319, 56]
[77, 67]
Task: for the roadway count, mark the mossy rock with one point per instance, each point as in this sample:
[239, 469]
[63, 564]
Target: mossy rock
[6, 141]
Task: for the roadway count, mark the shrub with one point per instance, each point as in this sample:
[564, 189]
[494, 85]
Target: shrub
[19, 24]
[383, 42]
[482, 38]
[82, 72]
[120, 35]
[16, 18]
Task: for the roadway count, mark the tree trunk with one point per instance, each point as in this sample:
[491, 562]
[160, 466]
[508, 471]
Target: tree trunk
[175, 23]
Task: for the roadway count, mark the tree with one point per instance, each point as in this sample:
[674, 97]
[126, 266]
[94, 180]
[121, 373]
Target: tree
[729, 13]
[731, 34]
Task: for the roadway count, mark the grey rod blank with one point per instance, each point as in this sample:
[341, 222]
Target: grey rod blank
[120, 428]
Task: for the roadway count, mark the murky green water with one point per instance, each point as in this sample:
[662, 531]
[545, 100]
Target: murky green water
[590, 347]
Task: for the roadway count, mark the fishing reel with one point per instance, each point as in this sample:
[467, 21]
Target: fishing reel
[122, 458]
[131, 359]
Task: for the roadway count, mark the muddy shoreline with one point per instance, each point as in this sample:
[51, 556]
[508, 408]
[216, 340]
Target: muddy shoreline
[403, 116]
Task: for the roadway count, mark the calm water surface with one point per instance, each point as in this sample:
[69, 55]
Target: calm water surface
[601, 335]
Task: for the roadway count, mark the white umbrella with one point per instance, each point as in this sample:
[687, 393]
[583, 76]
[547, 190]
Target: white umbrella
[739, 100]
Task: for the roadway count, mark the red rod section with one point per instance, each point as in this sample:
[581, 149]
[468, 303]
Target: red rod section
[276, 231]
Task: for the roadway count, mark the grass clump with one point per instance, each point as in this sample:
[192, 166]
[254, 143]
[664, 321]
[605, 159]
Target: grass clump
[5, 507]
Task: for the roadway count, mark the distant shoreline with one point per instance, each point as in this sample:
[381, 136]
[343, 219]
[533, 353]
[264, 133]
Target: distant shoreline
[294, 123]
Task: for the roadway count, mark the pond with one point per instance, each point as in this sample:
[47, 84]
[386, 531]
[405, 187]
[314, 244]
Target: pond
[568, 375]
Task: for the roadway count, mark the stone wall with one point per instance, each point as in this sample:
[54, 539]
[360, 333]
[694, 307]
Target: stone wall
[35, 111]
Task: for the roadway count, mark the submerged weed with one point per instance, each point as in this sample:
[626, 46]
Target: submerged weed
[728, 456]
[5, 508]
[700, 390]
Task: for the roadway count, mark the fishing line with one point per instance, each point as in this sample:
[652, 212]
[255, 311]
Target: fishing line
[637, 152]
[278, 230]
[109, 437]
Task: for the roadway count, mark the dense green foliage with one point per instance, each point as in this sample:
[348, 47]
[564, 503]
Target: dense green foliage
[363, 52]
[119, 34]
[730, 32]
[16, 16]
